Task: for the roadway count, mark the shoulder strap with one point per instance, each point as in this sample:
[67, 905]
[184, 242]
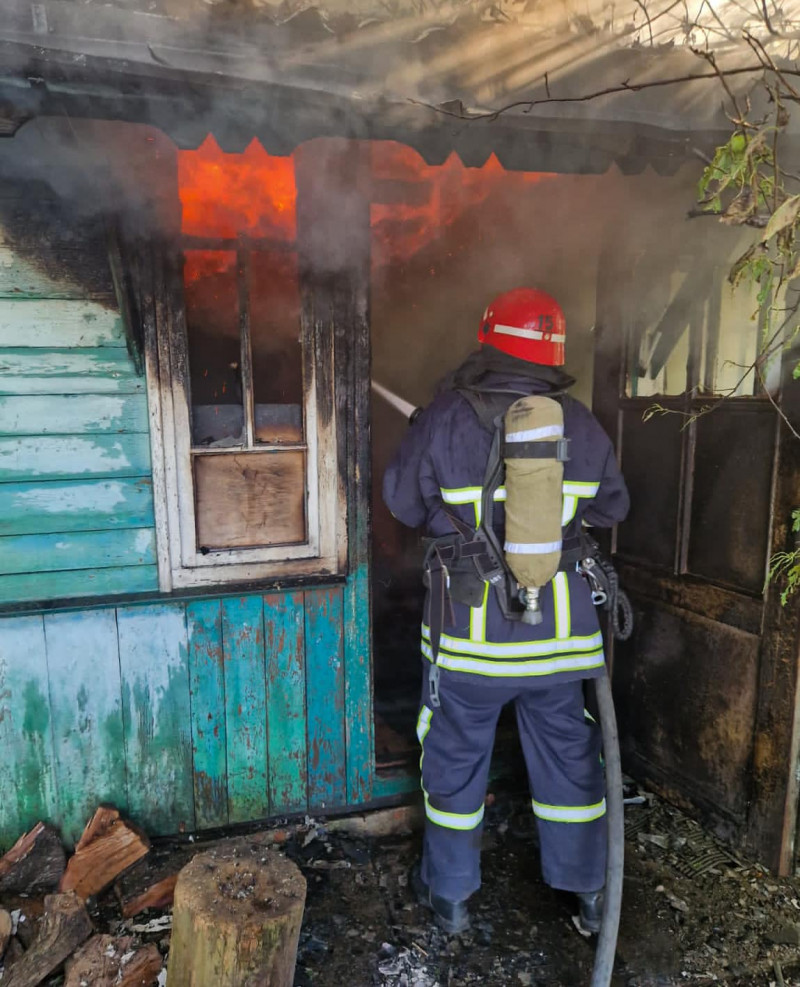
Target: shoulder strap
[489, 404]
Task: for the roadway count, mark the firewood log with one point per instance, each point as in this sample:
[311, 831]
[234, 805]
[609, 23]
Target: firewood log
[66, 924]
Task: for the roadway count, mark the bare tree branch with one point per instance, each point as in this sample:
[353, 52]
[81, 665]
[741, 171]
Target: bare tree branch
[622, 87]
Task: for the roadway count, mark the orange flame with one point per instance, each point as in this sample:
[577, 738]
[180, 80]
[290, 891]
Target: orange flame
[254, 194]
[435, 197]
[227, 195]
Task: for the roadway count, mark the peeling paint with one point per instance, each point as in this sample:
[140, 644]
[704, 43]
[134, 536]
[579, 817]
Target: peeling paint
[76, 497]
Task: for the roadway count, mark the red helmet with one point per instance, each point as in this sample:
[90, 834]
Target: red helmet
[525, 323]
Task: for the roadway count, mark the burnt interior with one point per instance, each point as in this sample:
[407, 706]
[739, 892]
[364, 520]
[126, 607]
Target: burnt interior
[648, 322]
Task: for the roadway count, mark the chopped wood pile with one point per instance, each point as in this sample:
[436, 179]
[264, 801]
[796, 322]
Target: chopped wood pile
[48, 908]
[102, 916]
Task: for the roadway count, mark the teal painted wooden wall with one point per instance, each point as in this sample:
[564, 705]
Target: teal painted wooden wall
[76, 500]
[186, 715]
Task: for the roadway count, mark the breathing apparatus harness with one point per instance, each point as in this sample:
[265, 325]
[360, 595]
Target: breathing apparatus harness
[458, 566]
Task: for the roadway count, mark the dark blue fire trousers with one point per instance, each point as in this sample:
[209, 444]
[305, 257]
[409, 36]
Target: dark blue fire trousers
[561, 745]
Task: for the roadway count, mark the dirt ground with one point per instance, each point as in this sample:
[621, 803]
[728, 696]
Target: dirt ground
[693, 913]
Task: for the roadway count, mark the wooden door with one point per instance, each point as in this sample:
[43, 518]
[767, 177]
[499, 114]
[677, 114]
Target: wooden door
[706, 687]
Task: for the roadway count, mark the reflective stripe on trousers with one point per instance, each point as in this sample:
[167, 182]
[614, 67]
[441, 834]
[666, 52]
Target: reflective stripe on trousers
[561, 748]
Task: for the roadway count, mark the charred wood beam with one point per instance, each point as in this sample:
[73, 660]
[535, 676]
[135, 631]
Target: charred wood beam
[773, 817]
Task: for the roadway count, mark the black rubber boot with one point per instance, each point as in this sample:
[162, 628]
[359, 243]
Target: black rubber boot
[451, 916]
[590, 910]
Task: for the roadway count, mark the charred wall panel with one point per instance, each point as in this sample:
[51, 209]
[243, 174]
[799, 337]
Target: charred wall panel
[731, 496]
[651, 463]
[685, 690]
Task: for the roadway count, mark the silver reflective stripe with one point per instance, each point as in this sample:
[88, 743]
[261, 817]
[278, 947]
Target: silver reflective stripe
[531, 434]
[515, 331]
[453, 820]
[557, 337]
[492, 668]
[423, 723]
[518, 649]
[569, 813]
[532, 547]
[561, 605]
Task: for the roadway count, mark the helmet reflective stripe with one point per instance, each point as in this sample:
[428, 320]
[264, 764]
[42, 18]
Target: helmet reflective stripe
[553, 337]
[569, 813]
[532, 547]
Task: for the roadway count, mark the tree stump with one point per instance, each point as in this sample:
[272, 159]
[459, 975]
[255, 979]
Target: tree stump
[236, 919]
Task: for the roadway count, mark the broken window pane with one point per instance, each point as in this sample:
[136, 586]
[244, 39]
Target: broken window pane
[658, 347]
[214, 342]
[277, 353]
[732, 335]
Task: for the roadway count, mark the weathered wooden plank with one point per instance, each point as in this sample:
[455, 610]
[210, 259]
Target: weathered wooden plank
[21, 279]
[77, 550]
[154, 666]
[245, 707]
[207, 687]
[59, 457]
[83, 665]
[71, 385]
[27, 775]
[100, 362]
[325, 698]
[286, 702]
[44, 586]
[358, 686]
[57, 414]
[269, 491]
[58, 322]
[75, 505]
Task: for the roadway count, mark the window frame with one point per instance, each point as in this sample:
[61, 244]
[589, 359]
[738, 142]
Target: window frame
[181, 562]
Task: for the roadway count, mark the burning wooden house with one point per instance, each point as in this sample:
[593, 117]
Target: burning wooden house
[211, 238]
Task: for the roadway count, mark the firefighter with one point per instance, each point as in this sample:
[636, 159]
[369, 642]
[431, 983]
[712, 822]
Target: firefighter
[476, 657]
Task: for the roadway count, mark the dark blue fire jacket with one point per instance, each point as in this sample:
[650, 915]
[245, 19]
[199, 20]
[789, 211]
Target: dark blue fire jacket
[438, 471]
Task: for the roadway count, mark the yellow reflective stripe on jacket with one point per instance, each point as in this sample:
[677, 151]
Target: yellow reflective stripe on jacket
[515, 649]
[468, 495]
[492, 668]
[573, 490]
[423, 723]
[569, 813]
[477, 618]
[561, 606]
[453, 820]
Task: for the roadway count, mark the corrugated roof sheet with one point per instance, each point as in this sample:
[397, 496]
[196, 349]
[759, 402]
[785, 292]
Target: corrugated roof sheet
[433, 80]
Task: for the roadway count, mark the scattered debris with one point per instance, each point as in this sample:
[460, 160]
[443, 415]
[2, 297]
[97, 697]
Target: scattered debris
[34, 864]
[160, 924]
[104, 961]
[693, 911]
[109, 845]
[66, 924]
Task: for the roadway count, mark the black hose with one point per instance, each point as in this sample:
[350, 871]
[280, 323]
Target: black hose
[615, 821]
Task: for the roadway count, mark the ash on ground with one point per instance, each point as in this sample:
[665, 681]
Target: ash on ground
[693, 913]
